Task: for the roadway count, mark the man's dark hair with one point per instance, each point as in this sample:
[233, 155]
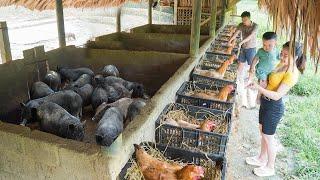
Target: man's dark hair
[245, 14]
[269, 36]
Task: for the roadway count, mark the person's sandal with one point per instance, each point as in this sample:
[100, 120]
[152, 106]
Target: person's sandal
[263, 171]
[254, 161]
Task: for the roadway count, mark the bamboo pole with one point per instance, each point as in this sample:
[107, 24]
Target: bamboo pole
[60, 23]
[223, 14]
[195, 27]
[213, 20]
[4, 43]
[119, 19]
[175, 12]
[150, 12]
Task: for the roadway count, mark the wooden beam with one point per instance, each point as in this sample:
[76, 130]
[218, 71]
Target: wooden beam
[195, 27]
[5, 50]
[175, 12]
[150, 12]
[213, 21]
[205, 21]
[118, 19]
[60, 23]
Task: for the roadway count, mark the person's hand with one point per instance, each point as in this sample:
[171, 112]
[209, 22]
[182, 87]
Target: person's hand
[253, 85]
[240, 44]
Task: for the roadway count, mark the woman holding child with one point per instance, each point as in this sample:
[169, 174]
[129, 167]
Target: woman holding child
[278, 84]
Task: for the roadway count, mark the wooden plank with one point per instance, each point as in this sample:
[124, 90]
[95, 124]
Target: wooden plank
[213, 22]
[195, 28]
[60, 23]
[5, 49]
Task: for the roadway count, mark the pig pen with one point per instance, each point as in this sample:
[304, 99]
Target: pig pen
[168, 29]
[27, 153]
[171, 43]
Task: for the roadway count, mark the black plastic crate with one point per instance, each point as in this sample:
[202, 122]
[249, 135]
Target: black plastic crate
[225, 43]
[209, 56]
[212, 104]
[205, 65]
[215, 167]
[212, 143]
[224, 37]
[215, 46]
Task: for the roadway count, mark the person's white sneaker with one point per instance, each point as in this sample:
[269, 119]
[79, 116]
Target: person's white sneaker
[254, 161]
[263, 171]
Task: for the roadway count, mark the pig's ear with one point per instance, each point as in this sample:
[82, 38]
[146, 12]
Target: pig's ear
[22, 104]
[71, 127]
[130, 93]
[84, 123]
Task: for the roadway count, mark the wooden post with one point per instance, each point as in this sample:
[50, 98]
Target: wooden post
[223, 14]
[5, 50]
[150, 12]
[175, 12]
[213, 20]
[60, 23]
[119, 19]
[195, 27]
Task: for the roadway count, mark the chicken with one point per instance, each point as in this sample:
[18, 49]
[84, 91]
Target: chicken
[219, 73]
[207, 126]
[224, 92]
[222, 95]
[190, 172]
[154, 169]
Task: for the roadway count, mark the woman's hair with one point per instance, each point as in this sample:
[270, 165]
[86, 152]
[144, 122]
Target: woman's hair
[302, 59]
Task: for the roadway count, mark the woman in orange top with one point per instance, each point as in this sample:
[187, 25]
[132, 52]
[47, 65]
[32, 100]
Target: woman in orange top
[280, 81]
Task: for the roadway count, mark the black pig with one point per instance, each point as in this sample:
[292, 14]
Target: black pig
[81, 81]
[98, 96]
[110, 70]
[109, 127]
[40, 89]
[56, 120]
[134, 109]
[53, 80]
[85, 92]
[68, 74]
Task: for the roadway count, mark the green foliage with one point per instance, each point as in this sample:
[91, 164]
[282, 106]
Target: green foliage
[300, 130]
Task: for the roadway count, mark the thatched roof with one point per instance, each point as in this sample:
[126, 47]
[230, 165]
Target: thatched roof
[300, 18]
[50, 4]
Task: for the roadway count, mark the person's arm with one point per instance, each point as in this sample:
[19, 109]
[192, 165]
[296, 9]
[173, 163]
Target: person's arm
[253, 67]
[274, 95]
[234, 36]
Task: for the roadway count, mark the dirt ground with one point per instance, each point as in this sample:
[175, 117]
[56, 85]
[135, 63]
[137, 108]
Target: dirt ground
[244, 142]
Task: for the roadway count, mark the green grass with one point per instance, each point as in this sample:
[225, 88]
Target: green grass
[299, 131]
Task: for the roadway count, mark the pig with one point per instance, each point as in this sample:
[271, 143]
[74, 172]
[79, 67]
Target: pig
[68, 74]
[97, 78]
[122, 91]
[110, 70]
[85, 92]
[113, 94]
[81, 81]
[136, 88]
[98, 96]
[53, 80]
[67, 99]
[109, 126]
[134, 109]
[56, 120]
[122, 104]
[40, 89]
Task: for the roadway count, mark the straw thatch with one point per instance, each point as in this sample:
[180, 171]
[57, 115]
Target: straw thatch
[50, 4]
[300, 18]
